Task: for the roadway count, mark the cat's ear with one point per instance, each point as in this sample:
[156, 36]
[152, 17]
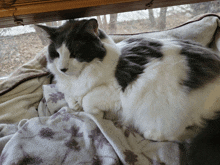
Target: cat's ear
[50, 31]
[91, 26]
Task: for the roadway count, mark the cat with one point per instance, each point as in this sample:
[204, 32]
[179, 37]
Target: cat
[205, 147]
[159, 86]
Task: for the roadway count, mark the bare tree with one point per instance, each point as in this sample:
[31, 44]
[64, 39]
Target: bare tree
[151, 17]
[113, 23]
[103, 22]
[161, 25]
[100, 22]
[205, 7]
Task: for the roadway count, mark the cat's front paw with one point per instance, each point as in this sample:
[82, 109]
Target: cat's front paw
[75, 106]
[157, 135]
[154, 135]
[92, 110]
[95, 111]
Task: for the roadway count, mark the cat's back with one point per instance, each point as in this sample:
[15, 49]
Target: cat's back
[166, 79]
[189, 63]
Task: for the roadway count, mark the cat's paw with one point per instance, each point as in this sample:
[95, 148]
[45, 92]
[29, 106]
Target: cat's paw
[75, 106]
[92, 110]
[95, 111]
[154, 135]
[157, 135]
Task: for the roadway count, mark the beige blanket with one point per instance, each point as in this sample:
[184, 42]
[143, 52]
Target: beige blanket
[37, 127]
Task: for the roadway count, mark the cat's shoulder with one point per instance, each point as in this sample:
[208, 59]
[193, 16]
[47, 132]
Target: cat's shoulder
[135, 53]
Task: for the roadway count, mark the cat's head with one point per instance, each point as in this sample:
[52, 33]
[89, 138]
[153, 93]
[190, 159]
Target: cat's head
[73, 45]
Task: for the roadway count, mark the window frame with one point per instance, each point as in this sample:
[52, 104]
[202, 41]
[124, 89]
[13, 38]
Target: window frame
[24, 12]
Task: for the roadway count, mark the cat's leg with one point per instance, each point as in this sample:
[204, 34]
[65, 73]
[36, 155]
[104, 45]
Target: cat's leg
[102, 98]
[73, 103]
[162, 135]
[170, 129]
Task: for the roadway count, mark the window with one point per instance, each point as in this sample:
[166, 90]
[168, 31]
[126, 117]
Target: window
[20, 44]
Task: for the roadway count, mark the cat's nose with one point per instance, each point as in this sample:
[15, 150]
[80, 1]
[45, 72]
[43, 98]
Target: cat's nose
[64, 70]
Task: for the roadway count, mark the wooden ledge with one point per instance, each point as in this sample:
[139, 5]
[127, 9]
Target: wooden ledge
[23, 12]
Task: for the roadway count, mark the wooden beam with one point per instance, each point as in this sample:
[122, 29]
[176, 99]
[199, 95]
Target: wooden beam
[17, 12]
[49, 6]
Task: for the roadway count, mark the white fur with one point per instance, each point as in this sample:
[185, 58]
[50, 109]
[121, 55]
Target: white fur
[159, 106]
[88, 85]
[74, 67]
[155, 103]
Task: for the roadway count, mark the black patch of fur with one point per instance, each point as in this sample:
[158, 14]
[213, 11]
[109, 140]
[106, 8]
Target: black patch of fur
[204, 64]
[134, 57]
[85, 47]
[79, 37]
[205, 147]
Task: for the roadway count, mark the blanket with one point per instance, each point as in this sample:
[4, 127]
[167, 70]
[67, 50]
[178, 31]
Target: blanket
[38, 127]
[62, 136]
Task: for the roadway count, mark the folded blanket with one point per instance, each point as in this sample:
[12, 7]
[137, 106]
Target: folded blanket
[22, 91]
[37, 127]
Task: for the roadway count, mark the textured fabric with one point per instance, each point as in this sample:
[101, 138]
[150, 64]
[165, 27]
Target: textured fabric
[22, 91]
[63, 136]
[204, 30]
[33, 69]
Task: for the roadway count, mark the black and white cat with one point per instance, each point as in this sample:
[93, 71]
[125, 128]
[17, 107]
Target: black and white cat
[205, 147]
[159, 86]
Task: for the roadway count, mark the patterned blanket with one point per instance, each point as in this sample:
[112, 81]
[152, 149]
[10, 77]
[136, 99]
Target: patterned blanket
[37, 127]
[62, 136]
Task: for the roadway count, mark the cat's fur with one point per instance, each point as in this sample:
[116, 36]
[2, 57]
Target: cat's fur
[89, 80]
[205, 147]
[160, 86]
